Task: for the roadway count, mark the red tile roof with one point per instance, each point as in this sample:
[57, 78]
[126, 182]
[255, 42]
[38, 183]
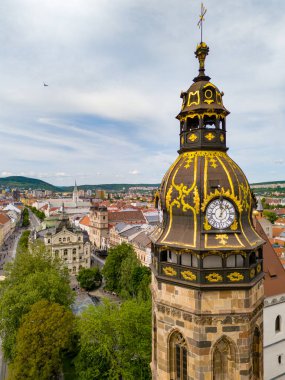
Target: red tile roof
[276, 230]
[85, 221]
[274, 279]
[4, 218]
[126, 216]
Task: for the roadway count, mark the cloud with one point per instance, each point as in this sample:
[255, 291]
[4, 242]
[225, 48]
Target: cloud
[115, 71]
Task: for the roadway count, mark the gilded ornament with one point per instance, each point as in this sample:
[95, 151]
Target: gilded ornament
[196, 199]
[168, 197]
[169, 271]
[213, 163]
[194, 98]
[188, 275]
[206, 224]
[223, 238]
[182, 140]
[210, 136]
[234, 226]
[221, 193]
[258, 268]
[252, 273]
[222, 138]
[214, 277]
[193, 137]
[235, 277]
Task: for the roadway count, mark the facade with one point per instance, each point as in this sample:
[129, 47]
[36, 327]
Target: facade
[207, 264]
[98, 228]
[70, 244]
[274, 311]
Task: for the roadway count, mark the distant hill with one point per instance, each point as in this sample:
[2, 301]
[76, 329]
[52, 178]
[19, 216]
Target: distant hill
[27, 183]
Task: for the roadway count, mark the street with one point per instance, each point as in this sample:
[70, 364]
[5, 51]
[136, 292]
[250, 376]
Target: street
[9, 247]
[34, 221]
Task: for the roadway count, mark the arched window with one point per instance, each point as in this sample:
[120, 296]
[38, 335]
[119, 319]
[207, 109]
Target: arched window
[256, 353]
[235, 261]
[178, 357]
[224, 360]
[212, 261]
[278, 324]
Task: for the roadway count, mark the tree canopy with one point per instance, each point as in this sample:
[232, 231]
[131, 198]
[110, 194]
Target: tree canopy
[45, 331]
[115, 341]
[125, 275]
[89, 278]
[31, 277]
[26, 219]
[270, 215]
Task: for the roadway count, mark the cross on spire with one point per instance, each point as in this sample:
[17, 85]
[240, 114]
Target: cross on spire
[201, 19]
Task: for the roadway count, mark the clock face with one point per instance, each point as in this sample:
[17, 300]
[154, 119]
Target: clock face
[220, 213]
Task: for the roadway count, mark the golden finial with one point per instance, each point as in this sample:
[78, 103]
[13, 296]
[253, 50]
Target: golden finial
[201, 19]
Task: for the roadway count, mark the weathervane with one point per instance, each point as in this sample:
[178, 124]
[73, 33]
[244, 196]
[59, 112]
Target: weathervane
[200, 23]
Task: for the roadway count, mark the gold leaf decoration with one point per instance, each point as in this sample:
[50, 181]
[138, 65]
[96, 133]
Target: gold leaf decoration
[258, 268]
[188, 275]
[193, 137]
[222, 138]
[234, 225]
[252, 273]
[169, 271]
[210, 136]
[235, 276]
[221, 193]
[223, 238]
[196, 199]
[206, 224]
[214, 277]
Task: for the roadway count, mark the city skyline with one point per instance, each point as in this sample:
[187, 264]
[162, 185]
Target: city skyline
[114, 73]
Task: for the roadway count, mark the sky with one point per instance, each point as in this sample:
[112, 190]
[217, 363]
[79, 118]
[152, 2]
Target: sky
[115, 70]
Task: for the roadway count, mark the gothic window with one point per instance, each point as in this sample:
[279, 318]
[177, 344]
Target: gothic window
[224, 360]
[178, 357]
[256, 354]
[212, 261]
[235, 261]
[278, 324]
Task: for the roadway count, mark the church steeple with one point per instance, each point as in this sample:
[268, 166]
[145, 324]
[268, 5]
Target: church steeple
[207, 257]
[75, 195]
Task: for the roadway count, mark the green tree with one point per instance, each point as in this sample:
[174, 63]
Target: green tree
[270, 215]
[45, 331]
[26, 219]
[112, 268]
[115, 341]
[89, 278]
[23, 243]
[31, 277]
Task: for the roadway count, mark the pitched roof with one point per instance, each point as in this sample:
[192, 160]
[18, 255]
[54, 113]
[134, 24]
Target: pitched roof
[274, 279]
[4, 218]
[85, 221]
[126, 216]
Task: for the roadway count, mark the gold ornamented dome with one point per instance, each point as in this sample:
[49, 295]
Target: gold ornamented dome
[205, 197]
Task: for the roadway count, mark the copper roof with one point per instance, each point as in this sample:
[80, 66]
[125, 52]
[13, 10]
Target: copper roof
[274, 279]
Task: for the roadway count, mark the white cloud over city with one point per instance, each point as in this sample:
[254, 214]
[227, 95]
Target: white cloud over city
[115, 70]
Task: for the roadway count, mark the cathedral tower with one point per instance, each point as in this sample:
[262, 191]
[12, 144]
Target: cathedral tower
[207, 283]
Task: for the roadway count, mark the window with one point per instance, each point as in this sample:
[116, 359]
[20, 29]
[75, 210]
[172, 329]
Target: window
[278, 324]
[64, 239]
[48, 241]
[59, 240]
[56, 252]
[171, 257]
[256, 353]
[279, 359]
[65, 252]
[68, 239]
[74, 251]
[178, 357]
[224, 360]
[79, 238]
[212, 261]
[189, 260]
[74, 269]
[235, 261]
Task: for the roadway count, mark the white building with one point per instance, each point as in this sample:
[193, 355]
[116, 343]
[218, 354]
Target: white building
[274, 312]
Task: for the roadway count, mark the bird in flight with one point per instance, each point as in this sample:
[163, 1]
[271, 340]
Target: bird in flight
[45, 85]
